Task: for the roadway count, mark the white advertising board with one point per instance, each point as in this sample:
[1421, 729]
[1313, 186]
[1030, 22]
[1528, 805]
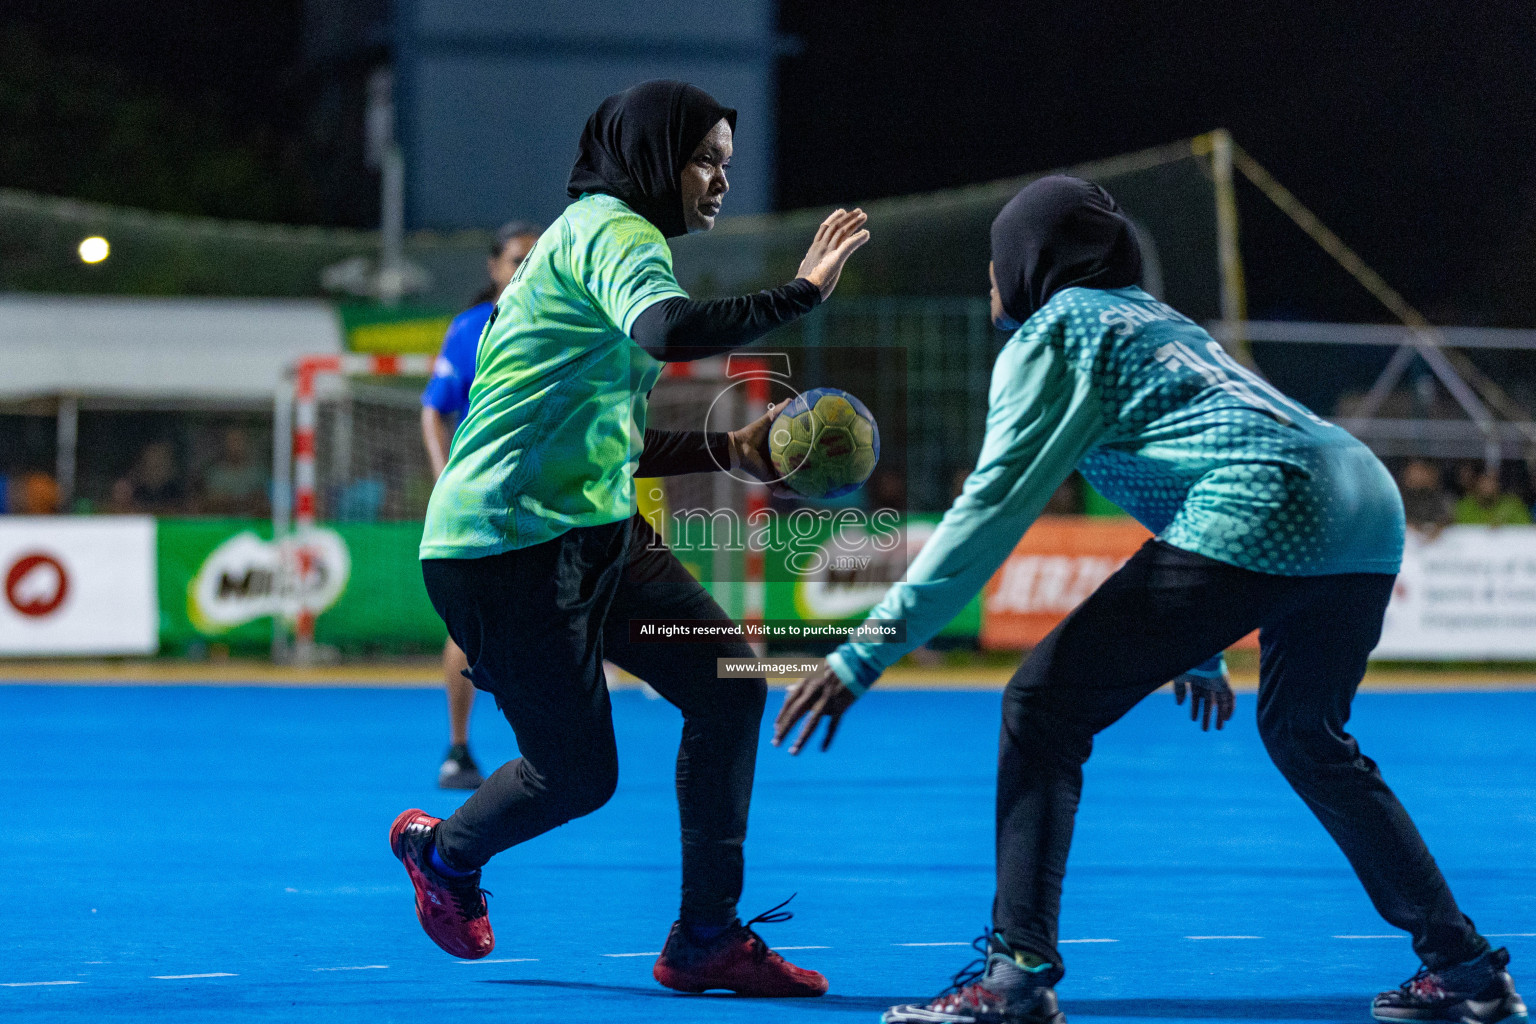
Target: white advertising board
[1468, 594]
[78, 586]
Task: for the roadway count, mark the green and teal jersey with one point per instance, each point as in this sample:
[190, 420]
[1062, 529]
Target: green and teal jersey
[556, 415]
[1160, 420]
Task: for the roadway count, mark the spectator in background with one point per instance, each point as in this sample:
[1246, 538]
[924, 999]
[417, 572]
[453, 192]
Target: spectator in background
[888, 489]
[152, 486]
[957, 482]
[1426, 502]
[1467, 473]
[30, 494]
[235, 484]
[1488, 504]
[1067, 499]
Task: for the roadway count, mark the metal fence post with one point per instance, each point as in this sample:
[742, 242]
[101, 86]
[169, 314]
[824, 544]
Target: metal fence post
[65, 458]
[282, 489]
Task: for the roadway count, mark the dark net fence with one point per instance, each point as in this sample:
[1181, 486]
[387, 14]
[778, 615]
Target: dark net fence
[934, 244]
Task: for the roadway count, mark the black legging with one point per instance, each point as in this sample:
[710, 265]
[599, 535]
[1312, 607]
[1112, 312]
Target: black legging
[536, 624]
[1165, 611]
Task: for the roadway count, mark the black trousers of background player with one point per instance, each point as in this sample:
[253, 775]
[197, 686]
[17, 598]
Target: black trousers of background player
[1164, 612]
[536, 624]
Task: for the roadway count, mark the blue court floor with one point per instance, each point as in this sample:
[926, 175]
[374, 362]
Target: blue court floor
[212, 854]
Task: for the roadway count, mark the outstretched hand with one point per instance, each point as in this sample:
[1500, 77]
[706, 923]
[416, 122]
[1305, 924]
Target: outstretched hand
[821, 696]
[836, 239]
[1206, 693]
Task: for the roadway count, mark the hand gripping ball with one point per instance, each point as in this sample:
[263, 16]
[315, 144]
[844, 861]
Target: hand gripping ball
[824, 444]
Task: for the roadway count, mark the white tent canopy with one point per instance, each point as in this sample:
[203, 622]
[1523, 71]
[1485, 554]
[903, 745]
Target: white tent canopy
[157, 349]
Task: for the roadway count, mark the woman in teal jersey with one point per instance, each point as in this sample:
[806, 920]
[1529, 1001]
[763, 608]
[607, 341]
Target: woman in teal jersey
[1266, 518]
[535, 558]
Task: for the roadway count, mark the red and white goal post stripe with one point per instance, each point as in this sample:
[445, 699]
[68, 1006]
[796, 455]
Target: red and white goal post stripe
[296, 414]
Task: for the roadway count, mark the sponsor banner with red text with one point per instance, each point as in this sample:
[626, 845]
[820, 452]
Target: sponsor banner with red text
[1468, 594]
[1058, 563]
[78, 586]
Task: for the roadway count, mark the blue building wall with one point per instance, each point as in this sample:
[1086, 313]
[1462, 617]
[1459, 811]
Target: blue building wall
[492, 94]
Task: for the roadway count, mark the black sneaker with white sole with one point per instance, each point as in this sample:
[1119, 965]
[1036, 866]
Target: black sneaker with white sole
[459, 770]
[1003, 987]
[1479, 991]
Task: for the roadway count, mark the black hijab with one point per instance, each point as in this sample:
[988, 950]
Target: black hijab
[1061, 232]
[638, 142]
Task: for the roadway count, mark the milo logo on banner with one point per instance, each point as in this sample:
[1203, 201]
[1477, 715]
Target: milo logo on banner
[247, 578]
[842, 570]
[851, 571]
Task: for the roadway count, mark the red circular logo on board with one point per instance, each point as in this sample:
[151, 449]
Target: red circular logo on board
[36, 585]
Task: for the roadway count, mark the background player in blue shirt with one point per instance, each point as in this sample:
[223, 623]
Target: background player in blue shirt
[442, 406]
[1266, 517]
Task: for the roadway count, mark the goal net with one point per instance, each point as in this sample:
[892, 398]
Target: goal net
[361, 481]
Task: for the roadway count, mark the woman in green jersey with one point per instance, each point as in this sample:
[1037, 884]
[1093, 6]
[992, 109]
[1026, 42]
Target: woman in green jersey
[534, 555]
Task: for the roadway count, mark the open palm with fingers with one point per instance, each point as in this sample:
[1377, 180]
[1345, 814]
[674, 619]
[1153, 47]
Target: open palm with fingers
[836, 239]
[818, 697]
[1208, 694]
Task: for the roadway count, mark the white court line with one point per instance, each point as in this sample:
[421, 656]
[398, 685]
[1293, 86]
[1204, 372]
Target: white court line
[1509, 935]
[503, 960]
[33, 984]
[1203, 938]
[179, 977]
[657, 953]
[802, 947]
[1399, 935]
[1062, 942]
[365, 967]
[930, 943]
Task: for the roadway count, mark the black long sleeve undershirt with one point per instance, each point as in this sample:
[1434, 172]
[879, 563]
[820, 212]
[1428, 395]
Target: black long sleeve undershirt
[677, 452]
[679, 329]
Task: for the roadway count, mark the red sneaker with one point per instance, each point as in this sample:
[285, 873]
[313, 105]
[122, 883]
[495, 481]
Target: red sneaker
[736, 960]
[452, 911]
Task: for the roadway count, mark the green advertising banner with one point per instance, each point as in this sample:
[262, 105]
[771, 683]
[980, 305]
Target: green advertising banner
[221, 581]
[809, 577]
[846, 580]
[182, 546]
[385, 608]
[394, 330]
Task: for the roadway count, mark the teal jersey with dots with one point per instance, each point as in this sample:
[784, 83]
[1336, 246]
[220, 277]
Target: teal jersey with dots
[1212, 458]
[1204, 453]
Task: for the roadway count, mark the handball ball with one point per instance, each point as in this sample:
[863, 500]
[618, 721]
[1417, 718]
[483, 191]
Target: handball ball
[824, 444]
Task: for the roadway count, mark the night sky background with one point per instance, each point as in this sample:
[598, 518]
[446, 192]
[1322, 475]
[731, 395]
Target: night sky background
[1407, 126]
